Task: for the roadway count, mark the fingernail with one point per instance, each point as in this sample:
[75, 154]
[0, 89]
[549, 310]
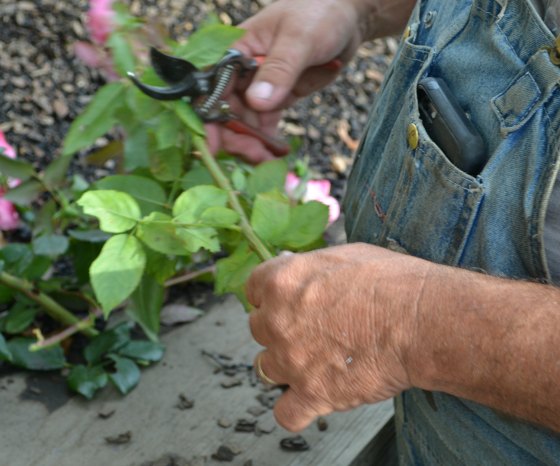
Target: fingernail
[261, 90]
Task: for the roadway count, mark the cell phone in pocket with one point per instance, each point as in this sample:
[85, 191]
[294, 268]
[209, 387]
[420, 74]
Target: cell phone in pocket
[449, 126]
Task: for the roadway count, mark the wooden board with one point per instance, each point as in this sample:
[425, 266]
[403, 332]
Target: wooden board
[72, 433]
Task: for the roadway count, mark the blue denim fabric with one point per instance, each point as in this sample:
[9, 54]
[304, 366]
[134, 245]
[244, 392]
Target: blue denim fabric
[490, 53]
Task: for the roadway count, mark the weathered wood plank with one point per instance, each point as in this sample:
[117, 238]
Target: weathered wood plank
[74, 434]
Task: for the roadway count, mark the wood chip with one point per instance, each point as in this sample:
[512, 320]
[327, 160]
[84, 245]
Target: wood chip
[119, 439]
[343, 129]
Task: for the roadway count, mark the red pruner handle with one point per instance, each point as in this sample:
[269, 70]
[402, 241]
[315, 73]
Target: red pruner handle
[333, 65]
[278, 147]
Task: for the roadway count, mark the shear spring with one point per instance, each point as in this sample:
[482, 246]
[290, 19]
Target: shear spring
[222, 80]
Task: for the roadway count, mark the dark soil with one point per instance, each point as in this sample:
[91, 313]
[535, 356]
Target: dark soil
[43, 86]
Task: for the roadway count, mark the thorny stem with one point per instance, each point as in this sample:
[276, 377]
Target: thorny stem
[68, 332]
[189, 276]
[51, 307]
[223, 182]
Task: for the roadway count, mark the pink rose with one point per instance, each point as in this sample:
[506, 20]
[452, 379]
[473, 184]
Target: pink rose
[315, 190]
[96, 57]
[9, 218]
[100, 20]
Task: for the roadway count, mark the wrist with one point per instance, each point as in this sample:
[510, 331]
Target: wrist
[382, 18]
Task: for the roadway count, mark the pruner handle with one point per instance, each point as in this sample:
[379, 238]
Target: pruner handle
[277, 146]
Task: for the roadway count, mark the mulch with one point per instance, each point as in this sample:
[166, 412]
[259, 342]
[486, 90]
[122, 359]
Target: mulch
[43, 86]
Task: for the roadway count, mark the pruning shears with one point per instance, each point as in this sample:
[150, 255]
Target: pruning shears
[206, 88]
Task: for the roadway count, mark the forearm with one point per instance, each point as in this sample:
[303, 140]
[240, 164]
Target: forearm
[490, 340]
[381, 18]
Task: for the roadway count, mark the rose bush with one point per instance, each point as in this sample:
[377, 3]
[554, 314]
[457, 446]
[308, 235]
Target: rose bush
[168, 209]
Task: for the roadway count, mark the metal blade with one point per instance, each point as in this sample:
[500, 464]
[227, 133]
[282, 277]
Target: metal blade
[171, 69]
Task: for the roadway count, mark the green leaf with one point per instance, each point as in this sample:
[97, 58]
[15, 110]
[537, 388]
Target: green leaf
[189, 117]
[159, 233]
[122, 54]
[271, 216]
[20, 261]
[141, 104]
[126, 375]
[167, 164]
[96, 120]
[19, 318]
[168, 132]
[82, 254]
[160, 266]
[268, 176]
[5, 354]
[117, 212]
[43, 360]
[196, 176]
[307, 225]
[233, 271]
[136, 148]
[149, 194]
[117, 271]
[208, 45]
[108, 341]
[101, 156]
[190, 205]
[197, 238]
[143, 351]
[89, 236]
[50, 245]
[145, 307]
[56, 172]
[238, 179]
[25, 193]
[87, 380]
[219, 217]
[16, 168]
[43, 223]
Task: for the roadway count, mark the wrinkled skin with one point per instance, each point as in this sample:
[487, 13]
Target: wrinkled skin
[336, 326]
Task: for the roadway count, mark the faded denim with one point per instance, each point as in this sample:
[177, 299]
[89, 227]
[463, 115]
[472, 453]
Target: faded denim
[490, 53]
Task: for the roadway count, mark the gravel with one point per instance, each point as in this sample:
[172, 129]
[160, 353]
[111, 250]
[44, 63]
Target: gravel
[44, 86]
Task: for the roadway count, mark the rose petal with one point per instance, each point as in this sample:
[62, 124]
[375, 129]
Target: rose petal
[100, 20]
[317, 190]
[8, 149]
[9, 218]
[88, 53]
[292, 182]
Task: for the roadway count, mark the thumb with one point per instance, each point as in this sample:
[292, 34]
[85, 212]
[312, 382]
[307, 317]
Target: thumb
[277, 76]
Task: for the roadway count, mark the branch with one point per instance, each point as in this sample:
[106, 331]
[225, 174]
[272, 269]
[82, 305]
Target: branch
[51, 307]
[223, 182]
[189, 276]
[68, 332]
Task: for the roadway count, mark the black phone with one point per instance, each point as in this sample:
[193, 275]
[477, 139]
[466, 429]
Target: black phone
[449, 127]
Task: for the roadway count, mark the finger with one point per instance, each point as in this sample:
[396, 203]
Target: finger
[267, 370]
[254, 285]
[277, 76]
[295, 413]
[248, 148]
[258, 327]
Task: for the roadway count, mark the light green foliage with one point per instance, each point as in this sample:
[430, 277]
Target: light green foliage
[207, 46]
[117, 271]
[117, 211]
[167, 208]
[97, 119]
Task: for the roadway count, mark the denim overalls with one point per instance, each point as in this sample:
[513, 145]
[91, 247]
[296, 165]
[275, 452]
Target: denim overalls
[404, 194]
